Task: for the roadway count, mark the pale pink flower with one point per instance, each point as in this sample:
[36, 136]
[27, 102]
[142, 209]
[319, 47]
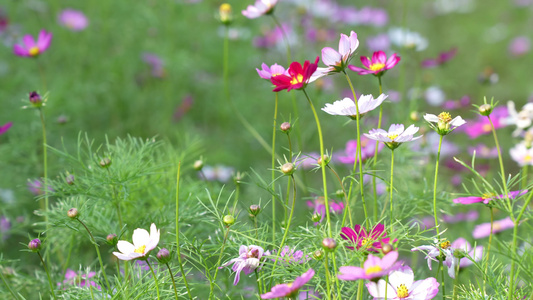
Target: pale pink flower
[143, 243]
[74, 20]
[401, 285]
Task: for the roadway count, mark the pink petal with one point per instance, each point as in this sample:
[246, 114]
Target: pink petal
[330, 57]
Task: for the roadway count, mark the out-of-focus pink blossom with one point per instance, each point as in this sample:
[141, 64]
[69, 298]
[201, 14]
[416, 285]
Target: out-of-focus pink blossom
[184, 107]
[483, 151]
[74, 20]
[469, 216]
[319, 207]
[456, 104]
[482, 126]
[274, 38]
[378, 42]
[81, 280]
[368, 148]
[439, 60]
[520, 46]
[483, 230]
[156, 64]
[4, 128]
[32, 48]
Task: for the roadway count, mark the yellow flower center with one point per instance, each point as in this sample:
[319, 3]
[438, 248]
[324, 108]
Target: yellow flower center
[140, 249]
[486, 128]
[392, 136]
[488, 195]
[34, 51]
[225, 8]
[297, 79]
[528, 158]
[445, 117]
[373, 270]
[376, 67]
[445, 245]
[402, 291]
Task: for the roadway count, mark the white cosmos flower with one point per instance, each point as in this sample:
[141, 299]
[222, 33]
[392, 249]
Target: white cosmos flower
[347, 107]
[522, 154]
[522, 119]
[445, 123]
[401, 285]
[396, 135]
[143, 243]
[407, 39]
[261, 7]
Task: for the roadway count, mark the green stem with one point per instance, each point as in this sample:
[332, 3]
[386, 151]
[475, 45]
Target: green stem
[286, 206]
[391, 186]
[258, 282]
[45, 178]
[178, 252]
[514, 244]
[500, 160]
[212, 283]
[335, 275]
[7, 285]
[454, 297]
[48, 275]
[488, 247]
[525, 170]
[155, 279]
[374, 184]
[347, 208]
[435, 188]
[324, 183]
[328, 281]
[274, 168]
[441, 267]
[358, 152]
[117, 202]
[173, 281]
[93, 241]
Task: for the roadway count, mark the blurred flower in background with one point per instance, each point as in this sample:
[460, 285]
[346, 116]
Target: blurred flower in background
[32, 48]
[519, 46]
[439, 60]
[156, 64]
[378, 42]
[72, 19]
[81, 280]
[404, 38]
[4, 128]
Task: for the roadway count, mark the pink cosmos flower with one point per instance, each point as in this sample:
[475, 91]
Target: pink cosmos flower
[290, 256]
[320, 207]
[361, 239]
[483, 230]
[440, 60]
[374, 267]
[338, 61]
[396, 135]
[298, 77]
[368, 148]
[74, 20]
[261, 7]
[455, 104]
[522, 155]
[471, 215]
[378, 65]
[81, 280]
[30, 48]
[269, 72]
[519, 46]
[5, 226]
[401, 285]
[143, 243]
[482, 125]
[475, 253]
[486, 198]
[289, 290]
[4, 128]
[249, 259]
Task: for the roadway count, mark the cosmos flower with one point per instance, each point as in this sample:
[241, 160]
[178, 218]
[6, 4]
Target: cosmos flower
[156, 64]
[81, 280]
[469, 216]
[483, 230]
[522, 155]
[347, 107]
[377, 65]
[4, 128]
[401, 285]
[395, 136]
[373, 267]
[261, 7]
[249, 259]
[36, 187]
[74, 20]
[372, 241]
[267, 72]
[143, 243]
[486, 198]
[298, 77]
[320, 207]
[337, 61]
[481, 126]
[440, 60]
[30, 48]
[455, 104]
[289, 290]
[522, 119]
[475, 253]
[367, 150]
[483, 151]
[445, 123]
[290, 256]
[519, 46]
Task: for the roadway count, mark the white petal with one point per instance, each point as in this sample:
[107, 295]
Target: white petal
[431, 118]
[344, 45]
[404, 275]
[125, 247]
[457, 121]
[140, 237]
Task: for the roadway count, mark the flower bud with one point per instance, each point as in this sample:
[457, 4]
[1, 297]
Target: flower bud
[198, 165]
[485, 110]
[225, 13]
[323, 161]
[287, 168]
[459, 253]
[414, 116]
[228, 220]
[112, 239]
[318, 254]
[386, 248]
[237, 178]
[316, 217]
[329, 244]
[105, 163]
[35, 245]
[62, 119]
[339, 193]
[35, 99]
[72, 213]
[69, 179]
[285, 127]
[163, 256]
[254, 210]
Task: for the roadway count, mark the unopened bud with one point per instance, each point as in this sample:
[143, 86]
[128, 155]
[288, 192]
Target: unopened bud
[35, 99]
[228, 220]
[72, 213]
[485, 110]
[287, 168]
[105, 163]
[163, 256]
[254, 210]
[386, 248]
[225, 13]
[285, 127]
[329, 244]
[316, 217]
[414, 116]
[198, 165]
[35, 245]
[112, 239]
[339, 193]
[323, 161]
[318, 254]
[69, 179]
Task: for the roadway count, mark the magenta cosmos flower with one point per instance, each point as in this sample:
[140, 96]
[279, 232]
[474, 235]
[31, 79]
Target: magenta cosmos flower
[372, 241]
[267, 72]
[289, 290]
[143, 243]
[374, 267]
[401, 285]
[261, 7]
[74, 20]
[30, 48]
[483, 230]
[368, 148]
[4, 128]
[377, 65]
[486, 198]
[337, 61]
[249, 259]
[298, 77]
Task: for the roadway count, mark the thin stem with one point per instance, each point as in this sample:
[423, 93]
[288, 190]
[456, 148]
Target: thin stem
[258, 282]
[525, 170]
[97, 252]
[324, 183]
[391, 186]
[454, 297]
[212, 283]
[115, 197]
[441, 267]
[488, 247]
[178, 252]
[155, 278]
[328, 283]
[48, 275]
[360, 290]
[435, 188]
[274, 168]
[347, 208]
[358, 151]
[45, 167]
[173, 281]
[8, 286]
[374, 184]
[286, 206]
[500, 160]
[335, 275]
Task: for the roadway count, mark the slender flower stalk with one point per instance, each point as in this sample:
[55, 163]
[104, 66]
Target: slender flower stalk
[274, 129]
[48, 275]
[374, 162]
[178, 252]
[435, 188]
[155, 279]
[173, 281]
[391, 188]
[502, 170]
[346, 204]
[45, 167]
[8, 286]
[488, 248]
[212, 283]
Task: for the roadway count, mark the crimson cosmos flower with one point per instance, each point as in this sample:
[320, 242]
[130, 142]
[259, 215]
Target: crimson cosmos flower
[371, 241]
[297, 78]
[377, 65]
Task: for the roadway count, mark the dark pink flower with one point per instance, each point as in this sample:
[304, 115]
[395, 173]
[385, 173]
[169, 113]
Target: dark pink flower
[4, 128]
[291, 289]
[486, 198]
[483, 230]
[378, 65]
[439, 60]
[30, 48]
[298, 77]
[374, 267]
[372, 241]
